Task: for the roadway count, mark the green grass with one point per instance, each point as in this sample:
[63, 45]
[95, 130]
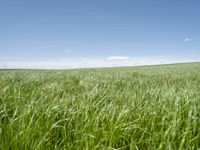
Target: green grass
[155, 107]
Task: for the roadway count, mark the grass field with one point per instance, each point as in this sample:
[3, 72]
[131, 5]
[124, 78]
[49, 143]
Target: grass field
[154, 107]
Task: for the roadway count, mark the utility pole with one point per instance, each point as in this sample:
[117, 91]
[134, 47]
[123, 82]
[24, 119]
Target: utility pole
[3, 64]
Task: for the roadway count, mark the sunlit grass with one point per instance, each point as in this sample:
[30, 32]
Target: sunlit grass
[156, 107]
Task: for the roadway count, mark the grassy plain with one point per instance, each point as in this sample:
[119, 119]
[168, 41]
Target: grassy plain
[152, 107]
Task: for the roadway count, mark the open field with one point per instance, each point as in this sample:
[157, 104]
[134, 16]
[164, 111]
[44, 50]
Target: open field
[155, 107]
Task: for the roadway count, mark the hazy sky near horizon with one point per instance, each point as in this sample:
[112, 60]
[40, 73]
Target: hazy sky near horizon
[99, 28]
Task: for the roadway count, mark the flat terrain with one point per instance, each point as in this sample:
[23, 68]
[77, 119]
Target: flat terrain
[154, 107]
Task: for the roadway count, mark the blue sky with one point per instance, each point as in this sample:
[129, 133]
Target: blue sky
[99, 28]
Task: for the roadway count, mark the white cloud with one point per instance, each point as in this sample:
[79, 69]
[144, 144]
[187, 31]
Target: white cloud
[188, 40]
[117, 58]
[71, 63]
